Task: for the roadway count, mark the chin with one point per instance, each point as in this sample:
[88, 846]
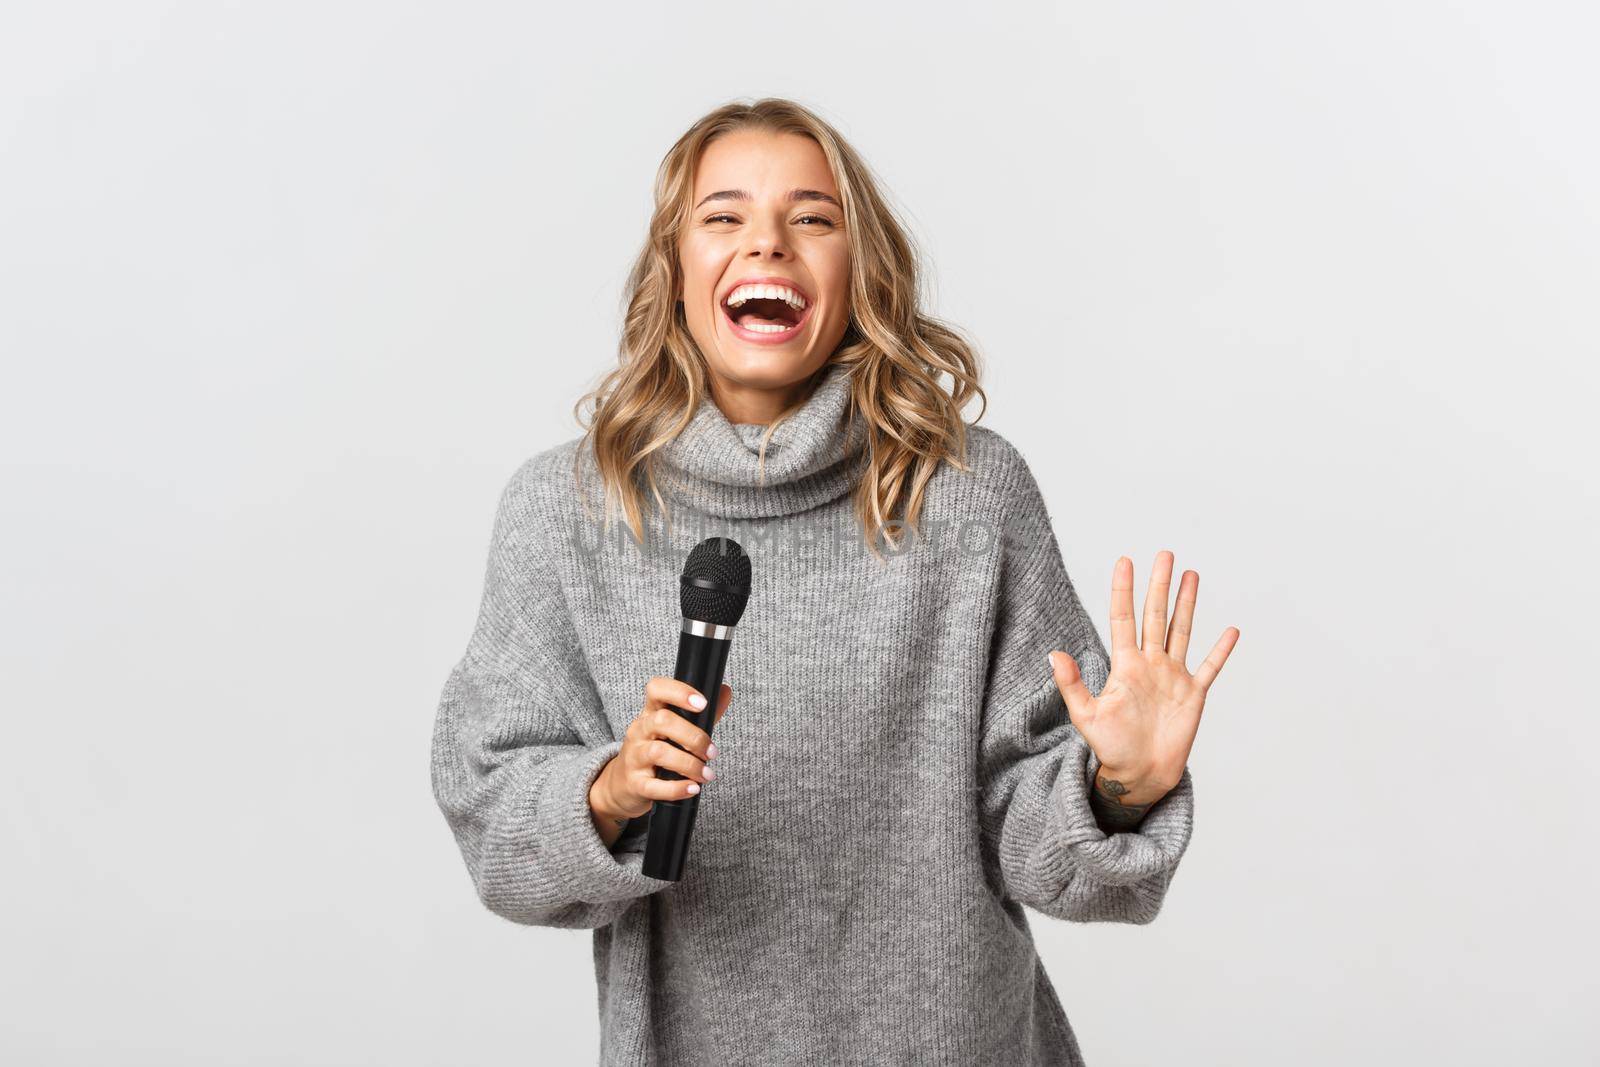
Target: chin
[766, 370]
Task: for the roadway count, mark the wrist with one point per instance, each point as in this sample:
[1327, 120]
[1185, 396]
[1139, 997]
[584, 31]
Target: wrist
[1128, 788]
[601, 800]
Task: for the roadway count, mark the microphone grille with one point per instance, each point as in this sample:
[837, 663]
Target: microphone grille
[716, 582]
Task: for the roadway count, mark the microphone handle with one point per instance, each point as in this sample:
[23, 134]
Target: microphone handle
[701, 662]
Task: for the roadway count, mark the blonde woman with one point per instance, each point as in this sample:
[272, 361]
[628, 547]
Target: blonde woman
[923, 733]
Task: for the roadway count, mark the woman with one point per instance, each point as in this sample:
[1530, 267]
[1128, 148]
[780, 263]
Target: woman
[900, 776]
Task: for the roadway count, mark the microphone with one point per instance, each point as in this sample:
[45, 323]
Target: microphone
[713, 591]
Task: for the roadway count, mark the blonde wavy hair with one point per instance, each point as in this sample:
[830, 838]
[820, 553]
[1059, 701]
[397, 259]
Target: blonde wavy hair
[897, 354]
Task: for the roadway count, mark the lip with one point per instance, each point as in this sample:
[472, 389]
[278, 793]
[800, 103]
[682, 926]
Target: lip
[755, 337]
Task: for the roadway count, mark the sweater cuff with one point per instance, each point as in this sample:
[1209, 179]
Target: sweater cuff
[593, 873]
[1152, 848]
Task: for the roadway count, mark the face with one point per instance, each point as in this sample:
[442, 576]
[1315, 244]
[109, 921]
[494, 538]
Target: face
[745, 226]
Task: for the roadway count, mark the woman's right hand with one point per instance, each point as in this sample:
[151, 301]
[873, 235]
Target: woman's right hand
[628, 785]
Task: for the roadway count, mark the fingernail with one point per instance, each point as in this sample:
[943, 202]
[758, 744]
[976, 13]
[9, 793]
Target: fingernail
[694, 787]
[710, 774]
[698, 701]
[711, 750]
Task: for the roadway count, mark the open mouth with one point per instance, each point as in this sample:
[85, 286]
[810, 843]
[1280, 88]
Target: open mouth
[766, 319]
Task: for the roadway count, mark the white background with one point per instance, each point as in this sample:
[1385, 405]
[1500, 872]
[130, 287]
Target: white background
[1305, 293]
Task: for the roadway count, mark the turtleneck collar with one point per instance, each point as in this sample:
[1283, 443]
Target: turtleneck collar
[814, 457]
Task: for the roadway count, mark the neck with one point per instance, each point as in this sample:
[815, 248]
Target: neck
[753, 405]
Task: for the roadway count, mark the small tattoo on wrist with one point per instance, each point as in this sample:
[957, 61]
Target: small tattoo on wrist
[1110, 809]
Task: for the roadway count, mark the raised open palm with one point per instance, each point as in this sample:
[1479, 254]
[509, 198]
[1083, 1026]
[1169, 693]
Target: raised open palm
[1143, 724]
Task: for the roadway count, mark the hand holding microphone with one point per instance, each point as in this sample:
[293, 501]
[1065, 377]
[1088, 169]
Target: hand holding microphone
[662, 760]
[657, 737]
[712, 592]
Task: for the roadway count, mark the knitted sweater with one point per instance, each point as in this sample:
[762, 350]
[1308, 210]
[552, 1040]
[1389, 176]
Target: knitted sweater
[897, 775]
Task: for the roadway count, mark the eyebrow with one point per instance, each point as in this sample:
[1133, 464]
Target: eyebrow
[795, 196]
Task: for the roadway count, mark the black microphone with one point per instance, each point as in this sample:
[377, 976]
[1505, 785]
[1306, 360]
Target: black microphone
[713, 592]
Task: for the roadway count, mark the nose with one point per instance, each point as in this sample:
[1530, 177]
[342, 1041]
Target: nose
[768, 239]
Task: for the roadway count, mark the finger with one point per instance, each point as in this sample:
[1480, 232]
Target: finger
[663, 692]
[1206, 673]
[668, 725]
[673, 760]
[1183, 617]
[1155, 601]
[1123, 637]
[653, 788]
[1070, 681]
[724, 698]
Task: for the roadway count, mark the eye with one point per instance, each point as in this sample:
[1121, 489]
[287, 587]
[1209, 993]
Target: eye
[724, 217]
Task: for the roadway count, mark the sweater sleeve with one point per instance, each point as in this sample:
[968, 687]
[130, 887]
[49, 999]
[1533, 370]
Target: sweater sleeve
[1042, 843]
[519, 738]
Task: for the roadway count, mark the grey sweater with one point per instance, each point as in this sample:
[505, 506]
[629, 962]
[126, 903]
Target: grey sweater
[897, 776]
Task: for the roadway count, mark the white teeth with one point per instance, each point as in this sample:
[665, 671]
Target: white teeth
[766, 292]
[761, 328]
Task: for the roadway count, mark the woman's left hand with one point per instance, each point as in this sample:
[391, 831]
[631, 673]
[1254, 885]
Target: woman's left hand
[1143, 723]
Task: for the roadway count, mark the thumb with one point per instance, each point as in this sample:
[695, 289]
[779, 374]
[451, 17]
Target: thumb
[1070, 681]
[724, 698]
